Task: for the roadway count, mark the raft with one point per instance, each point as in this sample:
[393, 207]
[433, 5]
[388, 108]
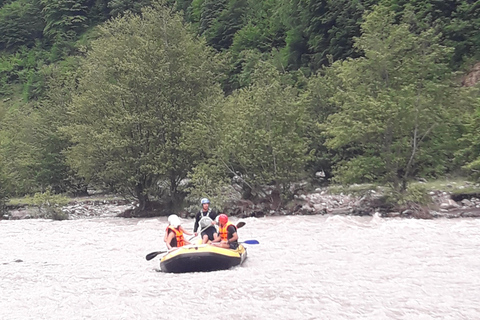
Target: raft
[202, 258]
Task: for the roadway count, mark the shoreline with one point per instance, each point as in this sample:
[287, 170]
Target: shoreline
[318, 202]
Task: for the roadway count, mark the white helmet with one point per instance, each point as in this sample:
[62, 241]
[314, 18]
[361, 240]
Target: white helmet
[174, 221]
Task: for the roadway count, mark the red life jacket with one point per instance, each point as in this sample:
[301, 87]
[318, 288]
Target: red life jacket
[222, 231]
[178, 235]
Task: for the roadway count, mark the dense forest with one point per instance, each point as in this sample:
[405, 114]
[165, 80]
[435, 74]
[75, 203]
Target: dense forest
[174, 100]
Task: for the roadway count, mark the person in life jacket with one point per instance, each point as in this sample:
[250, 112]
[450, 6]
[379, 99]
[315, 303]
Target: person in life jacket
[227, 236]
[174, 233]
[205, 221]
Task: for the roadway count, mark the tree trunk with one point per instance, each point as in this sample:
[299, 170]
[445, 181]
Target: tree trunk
[143, 200]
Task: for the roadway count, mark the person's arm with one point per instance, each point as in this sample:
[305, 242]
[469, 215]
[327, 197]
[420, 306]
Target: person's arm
[185, 231]
[169, 239]
[233, 232]
[195, 226]
[233, 238]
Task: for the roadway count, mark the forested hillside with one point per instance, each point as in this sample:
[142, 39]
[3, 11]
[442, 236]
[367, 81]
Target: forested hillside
[138, 97]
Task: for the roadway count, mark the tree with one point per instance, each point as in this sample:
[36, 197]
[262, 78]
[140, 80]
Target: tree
[18, 149]
[31, 146]
[318, 29]
[468, 153]
[118, 7]
[258, 136]
[393, 103]
[223, 28]
[20, 24]
[143, 83]
[459, 22]
[65, 19]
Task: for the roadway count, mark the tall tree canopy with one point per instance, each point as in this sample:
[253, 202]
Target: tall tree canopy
[393, 102]
[21, 23]
[142, 84]
[259, 134]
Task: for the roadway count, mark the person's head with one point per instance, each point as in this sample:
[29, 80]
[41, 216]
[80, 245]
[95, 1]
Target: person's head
[174, 221]
[205, 204]
[222, 219]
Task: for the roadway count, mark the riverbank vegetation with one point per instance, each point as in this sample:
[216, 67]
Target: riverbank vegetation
[170, 101]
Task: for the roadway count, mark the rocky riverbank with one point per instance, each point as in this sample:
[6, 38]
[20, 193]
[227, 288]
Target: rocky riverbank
[320, 201]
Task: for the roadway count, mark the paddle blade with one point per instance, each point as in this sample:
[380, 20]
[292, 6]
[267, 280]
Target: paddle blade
[152, 255]
[240, 224]
[251, 242]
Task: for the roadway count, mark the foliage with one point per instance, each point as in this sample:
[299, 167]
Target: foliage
[3, 187]
[49, 205]
[318, 100]
[118, 7]
[415, 194]
[48, 199]
[20, 24]
[385, 111]
[459, 22]
[142, 84]
[468, 146]
[64, 19]
[316, 30]
[391, 102]
[211, 181]
[222, 29]
[260, 136]
[31, 146]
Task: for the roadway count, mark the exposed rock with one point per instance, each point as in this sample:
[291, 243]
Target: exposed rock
[321, 202]
[313, 203]
[472, 77]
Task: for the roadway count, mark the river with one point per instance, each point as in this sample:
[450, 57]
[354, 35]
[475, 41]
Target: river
[305, 267]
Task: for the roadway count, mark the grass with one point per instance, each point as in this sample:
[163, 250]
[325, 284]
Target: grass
[456, 185]
[355, 189]
[28, 200]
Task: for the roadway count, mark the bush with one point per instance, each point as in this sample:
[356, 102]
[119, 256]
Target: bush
[415, 194]
[49, 205]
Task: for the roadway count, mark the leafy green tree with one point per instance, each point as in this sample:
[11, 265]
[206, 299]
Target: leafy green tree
[53, 170]
[467, 153]
[208, 11]
[19, 150]
[222, 30]
[4, 192]
[32, 147]
[20, 24]
[65, 19]
[98, 11]
[142, 84]
[259, 135]
[458, 21]
[462, 31]
[118, 7]
[392, 102]
[318, 29]
[318, 100]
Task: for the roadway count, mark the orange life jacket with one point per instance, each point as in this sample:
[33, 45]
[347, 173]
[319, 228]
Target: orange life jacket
[179, 236]
[222, 231]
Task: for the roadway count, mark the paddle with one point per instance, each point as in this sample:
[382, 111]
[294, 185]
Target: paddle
[152, 255]
[250, 242]
[239, 225]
